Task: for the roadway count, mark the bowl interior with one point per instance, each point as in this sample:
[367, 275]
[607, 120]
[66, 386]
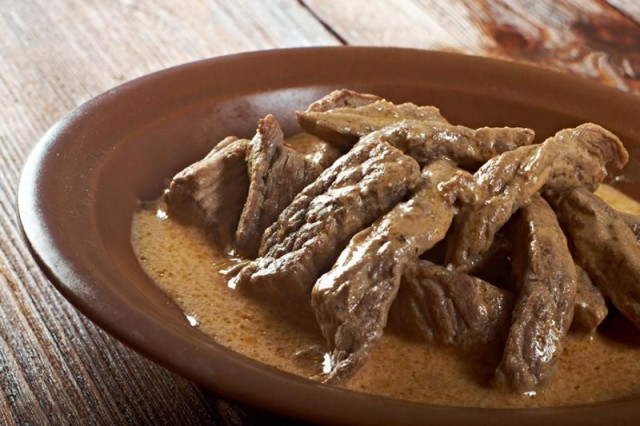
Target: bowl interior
[88, 175]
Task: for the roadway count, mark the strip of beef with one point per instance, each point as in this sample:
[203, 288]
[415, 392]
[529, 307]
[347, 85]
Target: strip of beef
[591, 308]
[416, 130]
[633, 221]
[343, 125]
[545, 299]
[342, 98]
[604, 246]
[452, 308]
[211, 192]
[314, 149]
[468, 148]
[461, 310]
[285, 255]
[352, 300]
[228, 141]
[276, 175]
[572, 158]
[310, 233]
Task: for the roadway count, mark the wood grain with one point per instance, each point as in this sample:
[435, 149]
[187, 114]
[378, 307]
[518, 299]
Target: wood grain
[630, 8]
[586, 37]
[56, 366]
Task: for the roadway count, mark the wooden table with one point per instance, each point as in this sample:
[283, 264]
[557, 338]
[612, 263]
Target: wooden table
[55, 365]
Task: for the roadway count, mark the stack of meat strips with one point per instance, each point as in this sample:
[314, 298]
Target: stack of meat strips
[344, 222]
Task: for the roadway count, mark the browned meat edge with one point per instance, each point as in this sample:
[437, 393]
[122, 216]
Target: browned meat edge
[591, 308]
[572, 158]
[604, 246]
[452, 308]
[633, 221]
[309, 234]
[352, 300]
[342, 98]
[417, 129]
[314, 149]
[276, 175]
[545, 299]
[211, 192]
[343, 125]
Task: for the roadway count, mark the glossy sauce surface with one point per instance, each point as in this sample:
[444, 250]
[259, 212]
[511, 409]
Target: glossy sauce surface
[190, 270]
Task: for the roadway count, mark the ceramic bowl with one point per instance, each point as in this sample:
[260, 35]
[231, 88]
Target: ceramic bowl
[83, 182]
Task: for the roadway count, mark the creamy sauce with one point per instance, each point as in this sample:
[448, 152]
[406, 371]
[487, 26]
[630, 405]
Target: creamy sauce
[186, 266]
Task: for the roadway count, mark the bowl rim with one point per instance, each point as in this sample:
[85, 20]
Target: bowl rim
[271, 389]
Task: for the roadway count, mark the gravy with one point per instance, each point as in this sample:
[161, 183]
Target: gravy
[191, 271]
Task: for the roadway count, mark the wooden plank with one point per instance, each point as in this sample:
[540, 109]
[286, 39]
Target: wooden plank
[56, 366]
[438, 24]
[631, 8]
[586, 37]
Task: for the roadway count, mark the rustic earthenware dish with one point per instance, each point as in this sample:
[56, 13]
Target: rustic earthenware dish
[85, 178]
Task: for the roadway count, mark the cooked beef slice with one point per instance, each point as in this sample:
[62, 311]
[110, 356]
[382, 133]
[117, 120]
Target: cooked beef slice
[572, 158]
[451, 308]
[229, 140]
[211, 192]
[342, 98]
[314, 149]
[468, 148]
[343, 126]
[545, 298]
[633, 221]
[352, 300]
[604, 246]
[590, 308]
[418, 128]
[276, 175]
[312, 231]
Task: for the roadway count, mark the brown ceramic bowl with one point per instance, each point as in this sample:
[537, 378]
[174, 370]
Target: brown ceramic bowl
[82, 183]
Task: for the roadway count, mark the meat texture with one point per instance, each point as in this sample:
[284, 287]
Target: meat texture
[633, 221]
[313, 148]
[310, 233]
[468, 148]
[604, 246]
[342, 98]
[352, 300]
[343, 123]
[572, 158]
[211, 192]
[241, 186]
[451, 308]
[276, 175]
[279, 239]
[590, 308]
[545, 299]
[415, 130]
